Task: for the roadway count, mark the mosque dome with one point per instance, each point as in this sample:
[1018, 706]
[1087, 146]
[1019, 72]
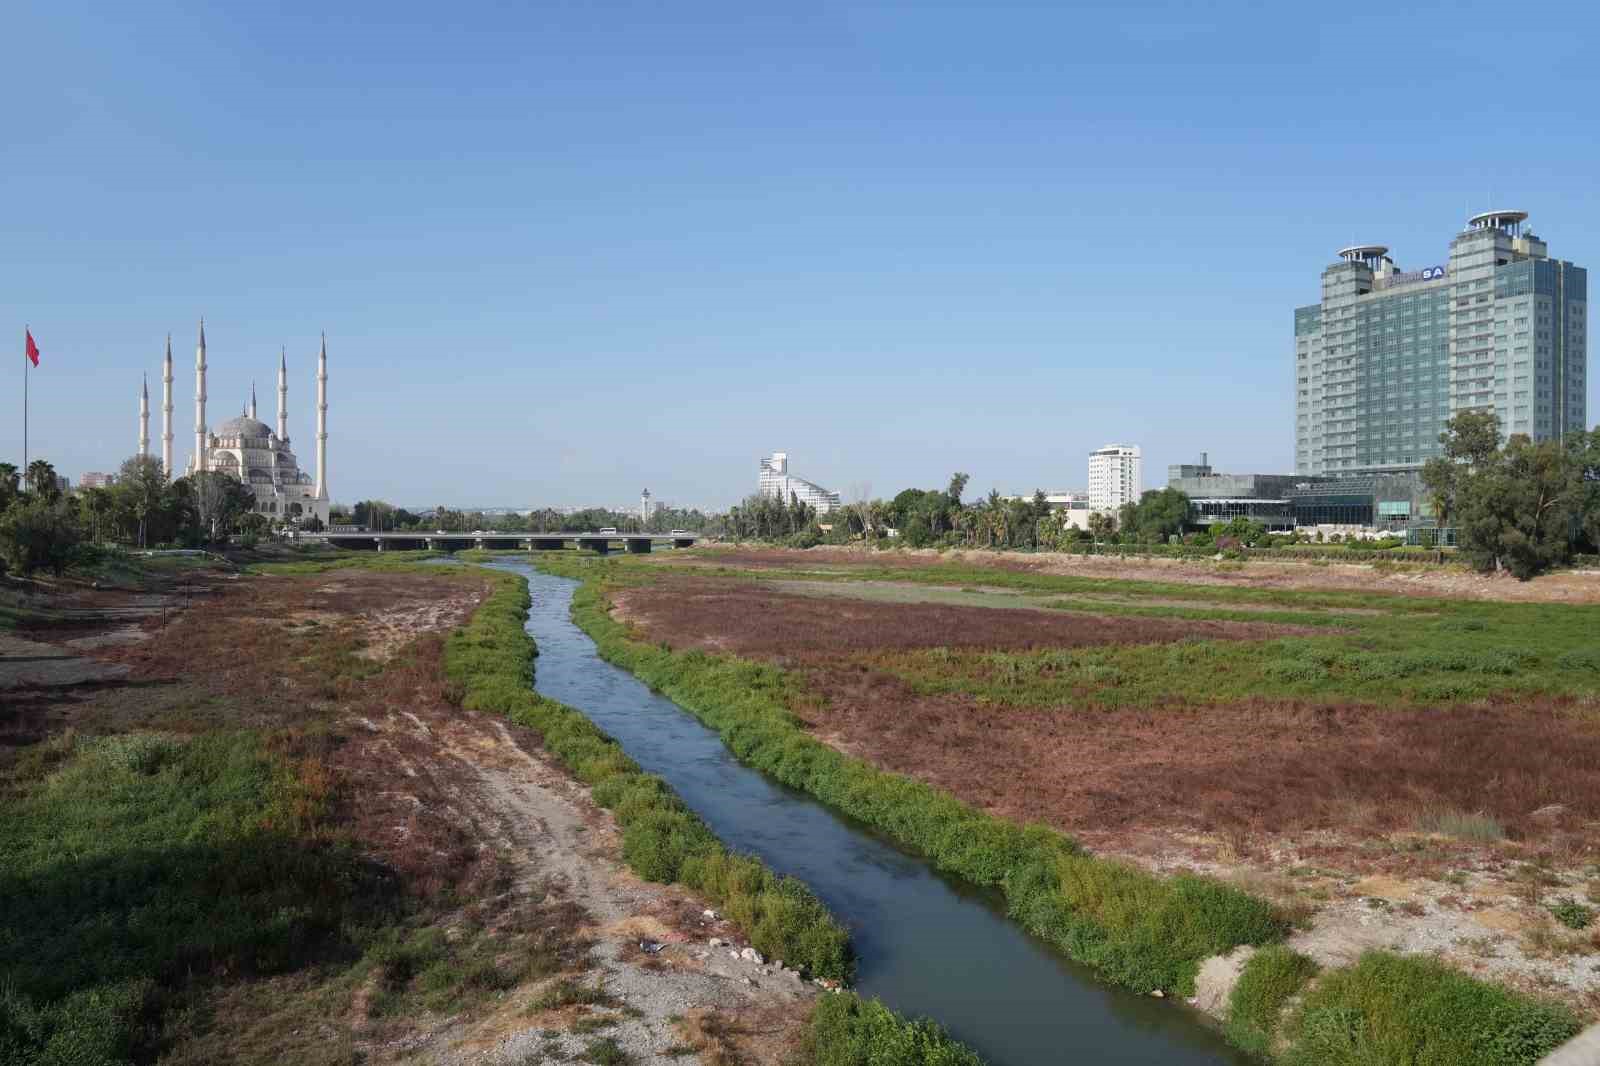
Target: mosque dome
[243, 427]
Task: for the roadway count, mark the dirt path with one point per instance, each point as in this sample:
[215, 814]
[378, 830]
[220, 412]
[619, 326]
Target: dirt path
[28, 664]
[651, 943]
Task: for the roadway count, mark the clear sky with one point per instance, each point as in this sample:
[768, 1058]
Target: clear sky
[565, 251]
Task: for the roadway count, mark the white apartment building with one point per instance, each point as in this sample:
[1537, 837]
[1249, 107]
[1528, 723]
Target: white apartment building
[1116, 476]
[776, 481]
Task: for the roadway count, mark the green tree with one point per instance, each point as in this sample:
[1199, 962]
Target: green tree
[221, 500]
[95, 509]
[142, 494]
[39, 533]
[1583, 451]
[1241, 529]
[42, 480]
[1471, 440]
[10, 479]
[958, 485]
[1515, 511]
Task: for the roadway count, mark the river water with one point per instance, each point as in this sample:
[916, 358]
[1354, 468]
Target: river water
[926, 944]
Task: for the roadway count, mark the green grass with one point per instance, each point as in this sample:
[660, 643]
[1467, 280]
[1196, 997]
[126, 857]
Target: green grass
[491, 659]
[848, 1031]
[142, 861]
[1382, 661]
[1388, 649]
[605, 1052]
[567, 992]
[1462, 825]
[1393, 1009]
[1140, 930]
[1571, 913]
[1270, 978]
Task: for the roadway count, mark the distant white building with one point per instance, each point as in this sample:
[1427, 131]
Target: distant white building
[1070, 506]
[1116, 476]
[776, 481]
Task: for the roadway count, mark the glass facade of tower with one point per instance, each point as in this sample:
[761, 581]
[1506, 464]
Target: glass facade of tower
[1386, 358]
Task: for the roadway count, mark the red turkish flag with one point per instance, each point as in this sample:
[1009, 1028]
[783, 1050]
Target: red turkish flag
[32, 348]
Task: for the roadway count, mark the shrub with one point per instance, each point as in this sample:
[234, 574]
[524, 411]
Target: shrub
[1461, 825]
[1571, 913]
[1391, 1008]
[1273, 976]
[37, 534]
[491, 659]
[848, 1031]
[1585, 659]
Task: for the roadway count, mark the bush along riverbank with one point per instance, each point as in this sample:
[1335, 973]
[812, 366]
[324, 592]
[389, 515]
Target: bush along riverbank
[1145, 932]
[491, 659]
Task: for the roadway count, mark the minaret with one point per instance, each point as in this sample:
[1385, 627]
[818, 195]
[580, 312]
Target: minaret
[283, 398]
[322, 420]
[144, 418]
[252, 400]
[200, 401]
[166, 411]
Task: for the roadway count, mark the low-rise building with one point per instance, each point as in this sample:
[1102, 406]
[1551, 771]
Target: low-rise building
[95, 479]
[1070, 506]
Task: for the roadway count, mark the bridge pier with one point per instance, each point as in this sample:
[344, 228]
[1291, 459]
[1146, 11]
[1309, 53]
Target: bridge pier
[379, 541]
[638, 545]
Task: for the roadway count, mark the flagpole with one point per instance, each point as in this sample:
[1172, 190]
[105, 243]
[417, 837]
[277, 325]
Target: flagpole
[25, 362]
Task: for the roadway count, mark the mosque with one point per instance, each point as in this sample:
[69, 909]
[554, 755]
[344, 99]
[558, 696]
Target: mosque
[246, 449]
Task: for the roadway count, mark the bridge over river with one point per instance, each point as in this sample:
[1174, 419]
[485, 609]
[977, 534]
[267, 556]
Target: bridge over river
[637, 543]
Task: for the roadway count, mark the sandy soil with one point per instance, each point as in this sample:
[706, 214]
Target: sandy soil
[553, 837]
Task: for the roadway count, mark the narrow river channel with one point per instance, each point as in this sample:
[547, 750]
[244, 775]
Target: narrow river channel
[927, 946]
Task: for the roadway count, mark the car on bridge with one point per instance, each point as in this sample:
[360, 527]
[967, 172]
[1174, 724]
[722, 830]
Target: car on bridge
[608, 530]
[680, 533]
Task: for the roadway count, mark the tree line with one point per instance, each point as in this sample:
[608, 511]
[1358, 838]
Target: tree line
[44, 527]
[382, 516]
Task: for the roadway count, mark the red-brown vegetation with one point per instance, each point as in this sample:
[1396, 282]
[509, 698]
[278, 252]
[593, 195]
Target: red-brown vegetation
[750, 619]
[1258, 766]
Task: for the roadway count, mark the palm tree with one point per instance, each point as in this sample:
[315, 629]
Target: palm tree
[8, 484]
[42, 478]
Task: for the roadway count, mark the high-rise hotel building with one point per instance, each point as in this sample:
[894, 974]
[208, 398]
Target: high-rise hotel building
[1388, 356]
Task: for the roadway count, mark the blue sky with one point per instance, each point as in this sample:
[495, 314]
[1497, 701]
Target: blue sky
[566, 251]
